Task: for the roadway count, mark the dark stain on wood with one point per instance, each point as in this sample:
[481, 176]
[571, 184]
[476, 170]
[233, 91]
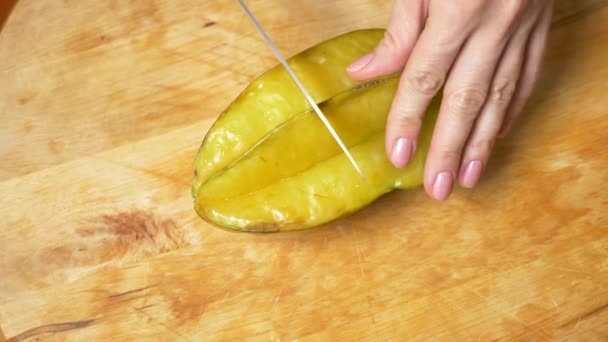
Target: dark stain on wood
[126, 293]
[119, 300]
[102, 241]
[51, 329]
[27, 127]
[54, 147]
[144, 307]
[136, 230]
[210, 23]
[85, 40]
[141, 25]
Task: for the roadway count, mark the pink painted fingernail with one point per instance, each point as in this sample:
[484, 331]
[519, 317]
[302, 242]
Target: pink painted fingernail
[443, 186]
[402, 152]
[472, 173]
[360, 63]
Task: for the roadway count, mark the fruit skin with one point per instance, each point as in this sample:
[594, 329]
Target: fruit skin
[289, 174]
[273, 98]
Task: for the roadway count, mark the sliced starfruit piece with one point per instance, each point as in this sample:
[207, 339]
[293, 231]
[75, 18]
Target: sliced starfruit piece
[290, 174]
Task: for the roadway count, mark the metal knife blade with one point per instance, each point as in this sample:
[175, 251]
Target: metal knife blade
[301, 86]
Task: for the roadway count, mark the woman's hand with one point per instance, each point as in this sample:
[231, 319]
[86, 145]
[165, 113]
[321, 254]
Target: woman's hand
[485, 53]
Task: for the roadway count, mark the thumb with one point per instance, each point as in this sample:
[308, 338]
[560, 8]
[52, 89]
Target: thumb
[407, 19]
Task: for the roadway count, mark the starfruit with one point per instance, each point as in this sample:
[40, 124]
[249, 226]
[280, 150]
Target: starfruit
[269, 164]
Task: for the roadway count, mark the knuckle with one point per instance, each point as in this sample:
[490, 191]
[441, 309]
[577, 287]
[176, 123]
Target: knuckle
[390, 41]
[514, 8]
[425, 82]
[474, 8]
[480, 148]
[405, 121]
[466, 103]
[447, 156]
[502, 92]
[463, 13]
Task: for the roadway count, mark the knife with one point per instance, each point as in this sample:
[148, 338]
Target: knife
[301, 86]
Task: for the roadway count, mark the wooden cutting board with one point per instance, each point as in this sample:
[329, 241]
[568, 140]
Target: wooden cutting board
[103, 106]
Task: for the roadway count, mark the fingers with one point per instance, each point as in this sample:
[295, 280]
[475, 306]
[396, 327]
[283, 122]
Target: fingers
[534, 56]
[423, 76]
[481, 141]
[401, 34]
[464, 95]
[486, 88]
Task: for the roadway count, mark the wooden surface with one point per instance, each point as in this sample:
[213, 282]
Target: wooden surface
[103, 106]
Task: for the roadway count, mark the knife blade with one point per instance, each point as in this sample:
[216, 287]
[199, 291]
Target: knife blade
[301, 87]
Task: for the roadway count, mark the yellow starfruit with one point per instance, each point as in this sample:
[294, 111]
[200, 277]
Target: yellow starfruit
[269, 164]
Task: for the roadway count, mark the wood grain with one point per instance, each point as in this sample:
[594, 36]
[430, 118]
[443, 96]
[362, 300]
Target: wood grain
[104, 106]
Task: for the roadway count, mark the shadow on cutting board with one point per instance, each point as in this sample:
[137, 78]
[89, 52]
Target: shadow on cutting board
[6, 7]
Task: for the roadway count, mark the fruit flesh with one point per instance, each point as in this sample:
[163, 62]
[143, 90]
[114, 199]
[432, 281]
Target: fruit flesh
[290, 174]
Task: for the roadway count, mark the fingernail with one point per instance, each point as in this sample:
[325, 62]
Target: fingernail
[402, 152]
[472, 173]
[443, 186]
[360, 63]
